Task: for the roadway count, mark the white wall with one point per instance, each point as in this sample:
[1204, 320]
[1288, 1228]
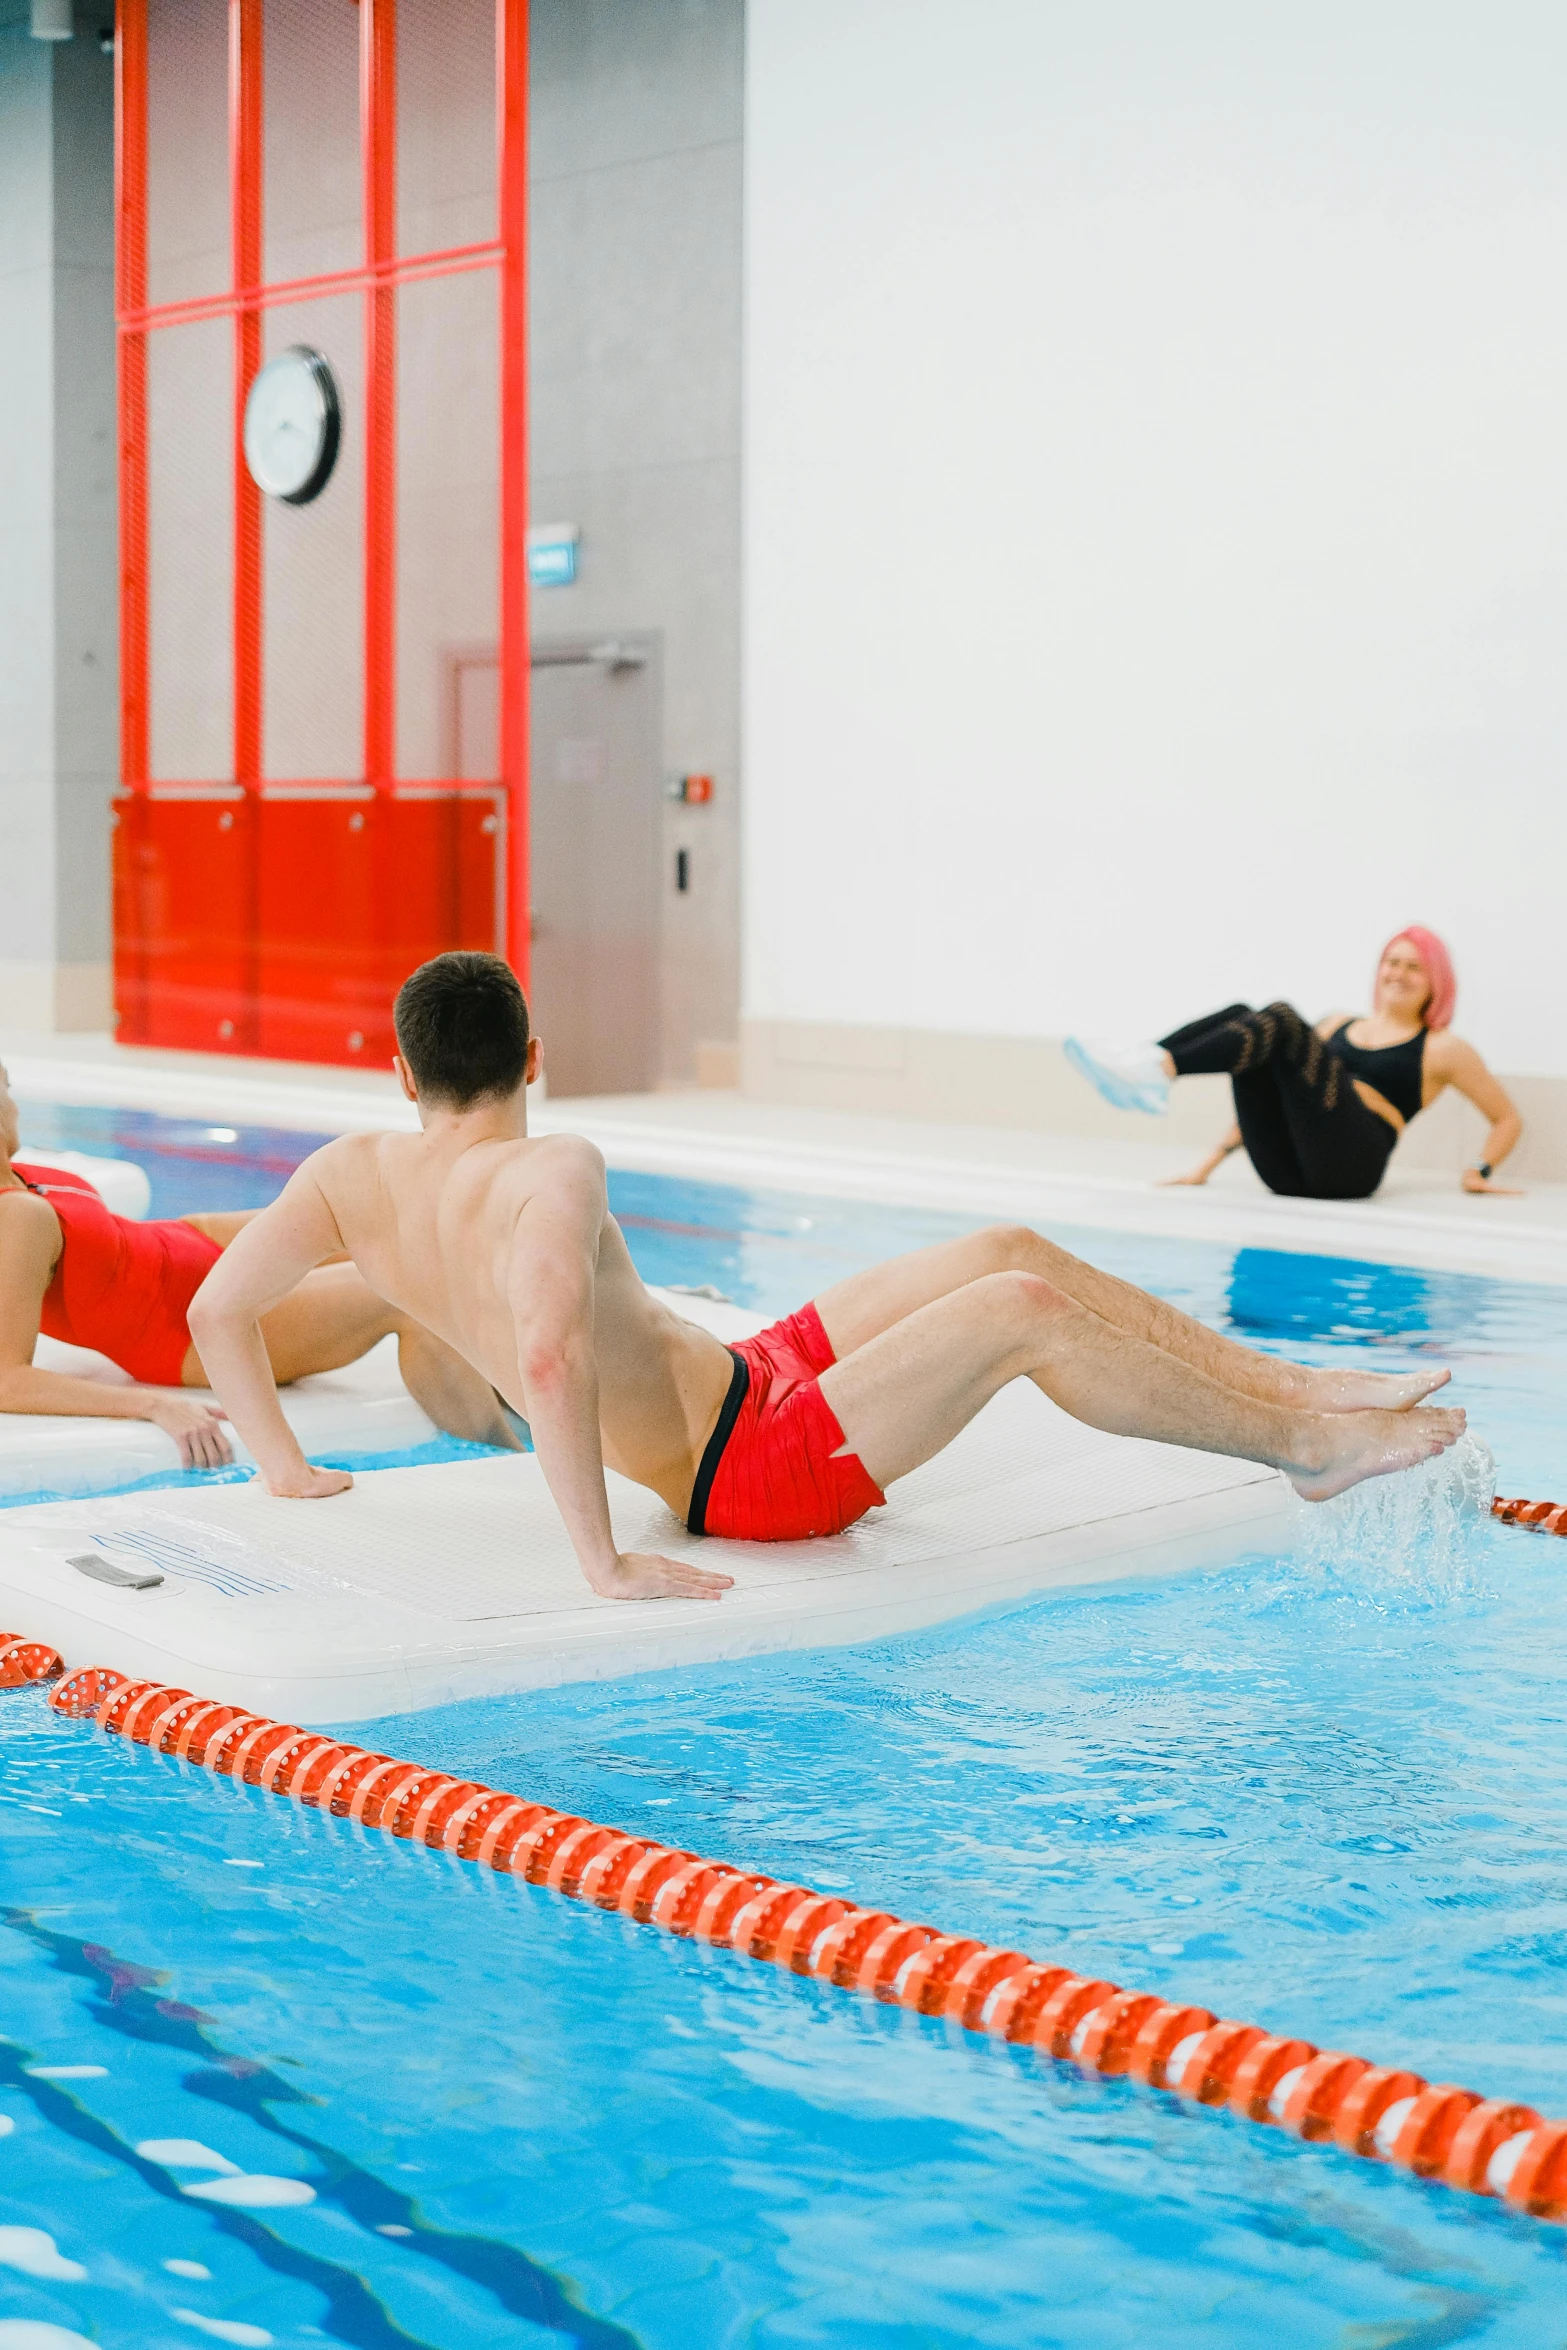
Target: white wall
[1156, 569]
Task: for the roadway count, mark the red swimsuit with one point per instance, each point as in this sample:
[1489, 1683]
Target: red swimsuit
[772, 1470]
[121, 1287]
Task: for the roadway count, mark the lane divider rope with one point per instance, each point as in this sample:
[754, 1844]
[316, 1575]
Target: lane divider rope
[1488, 2145]
[22, 1661]
[1541, 1517]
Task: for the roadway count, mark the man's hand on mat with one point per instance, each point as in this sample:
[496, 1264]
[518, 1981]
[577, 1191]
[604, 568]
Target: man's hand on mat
[1472, 1180]
[644, 1574]
[197, 1428]
[310, 1484]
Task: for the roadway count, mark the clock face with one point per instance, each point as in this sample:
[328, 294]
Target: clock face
[292, 424]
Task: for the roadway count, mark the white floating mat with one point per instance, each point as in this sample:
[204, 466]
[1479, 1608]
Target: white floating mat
[365, 1409]
[425, 1585]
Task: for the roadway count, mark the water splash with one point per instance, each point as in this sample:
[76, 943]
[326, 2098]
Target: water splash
[1413, 1537]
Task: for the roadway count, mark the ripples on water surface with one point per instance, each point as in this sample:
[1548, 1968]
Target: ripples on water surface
[1324, 1791]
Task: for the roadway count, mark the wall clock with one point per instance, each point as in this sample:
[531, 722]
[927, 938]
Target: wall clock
[293, 422]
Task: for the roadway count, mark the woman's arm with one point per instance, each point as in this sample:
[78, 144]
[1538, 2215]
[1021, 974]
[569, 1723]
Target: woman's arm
[1452, 1062]
[29, 1249]
[1216, 1157]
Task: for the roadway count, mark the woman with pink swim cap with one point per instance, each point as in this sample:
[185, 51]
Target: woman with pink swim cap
[1320, 1109]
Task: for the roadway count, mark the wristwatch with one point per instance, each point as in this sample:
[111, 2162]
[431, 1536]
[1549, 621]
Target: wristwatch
[1482, 1168]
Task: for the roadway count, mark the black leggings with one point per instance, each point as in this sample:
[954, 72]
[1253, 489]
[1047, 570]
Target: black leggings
[1306, 1130]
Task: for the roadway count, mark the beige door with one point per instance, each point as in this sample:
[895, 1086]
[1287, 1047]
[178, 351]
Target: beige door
[595, 847]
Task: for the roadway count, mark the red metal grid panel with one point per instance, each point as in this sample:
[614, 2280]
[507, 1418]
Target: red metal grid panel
[310, 139]
[448, 518]
[187, 201]
[189, 557]
[378, 154]
[246, 199]
[446, 143]
[293, 836]
[511, 95]
[312, 574]
[130, 294]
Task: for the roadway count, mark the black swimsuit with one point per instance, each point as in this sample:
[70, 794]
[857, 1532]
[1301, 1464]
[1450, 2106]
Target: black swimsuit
[1396, 1071]
[1306, 1130]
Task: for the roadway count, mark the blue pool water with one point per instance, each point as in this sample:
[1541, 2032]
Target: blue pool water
[191, 1164]
[1322, 1791]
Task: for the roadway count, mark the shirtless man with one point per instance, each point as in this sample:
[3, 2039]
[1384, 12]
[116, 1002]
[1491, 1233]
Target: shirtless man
[505, 1249]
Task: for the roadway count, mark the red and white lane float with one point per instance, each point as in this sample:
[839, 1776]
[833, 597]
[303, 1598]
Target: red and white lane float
[1539, 1517]
[1486, 2145]
[22, 1661]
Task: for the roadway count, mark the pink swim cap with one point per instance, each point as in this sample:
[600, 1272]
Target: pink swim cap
[1442, 1002]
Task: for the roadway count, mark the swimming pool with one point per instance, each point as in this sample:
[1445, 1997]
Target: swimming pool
[1326, 1796]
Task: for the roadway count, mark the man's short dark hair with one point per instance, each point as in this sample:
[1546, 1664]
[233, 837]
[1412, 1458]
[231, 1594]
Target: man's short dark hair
[462, 1028]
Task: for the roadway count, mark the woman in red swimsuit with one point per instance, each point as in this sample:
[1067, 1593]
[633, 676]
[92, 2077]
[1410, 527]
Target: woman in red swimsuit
[71, 1268]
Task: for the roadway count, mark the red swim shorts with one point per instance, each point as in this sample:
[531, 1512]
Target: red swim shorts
[772, 1471]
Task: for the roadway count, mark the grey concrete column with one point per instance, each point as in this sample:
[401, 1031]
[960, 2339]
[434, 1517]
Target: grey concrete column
[58, 555]
[637, 128]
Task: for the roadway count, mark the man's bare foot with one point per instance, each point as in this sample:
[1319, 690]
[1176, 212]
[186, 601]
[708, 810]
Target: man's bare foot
[646, 1574]
[1352, 1390]
[1349, 1447]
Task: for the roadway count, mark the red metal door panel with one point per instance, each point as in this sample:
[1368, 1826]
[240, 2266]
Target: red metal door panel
[184, 918]
[419, 890]
[481, 867]
[278, 901]
[354, 894]
[436, 883]
[128, 822]
[317, 971]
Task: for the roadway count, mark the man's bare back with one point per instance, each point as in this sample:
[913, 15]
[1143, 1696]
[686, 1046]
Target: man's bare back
[503, 1248]
[487, 1243]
